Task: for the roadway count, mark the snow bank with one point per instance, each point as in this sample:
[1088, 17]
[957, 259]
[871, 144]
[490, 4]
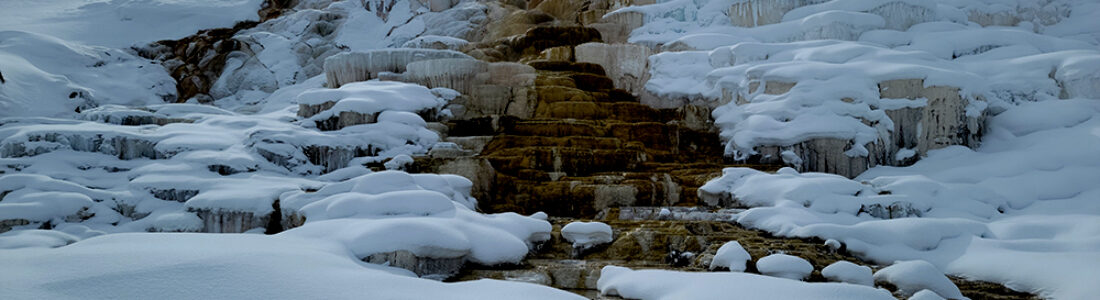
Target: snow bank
[234, 266]
[731, 256]
[662, 284]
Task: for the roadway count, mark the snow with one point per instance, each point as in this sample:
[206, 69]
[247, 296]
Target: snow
[35, 238]
[784, 266]
[965, 211]
[845, 271]
[157, 265]
[663, 284]
[587, 234]
[731, 256]
[46, 76]
[372, 97]
[926, 295]
[89, 147]
[916, 275]
[123, 23]
[833, 57]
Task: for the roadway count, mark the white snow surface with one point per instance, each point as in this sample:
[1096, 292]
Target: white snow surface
[663, 284]
[913, 276]
[731, 256]
[836, 52]
[784, 266]
[123, 23]
[1026, 196]
[1018, 209]
[46, 76]
[89, 148]
[189, 266]
[845, 271]
[587, 234]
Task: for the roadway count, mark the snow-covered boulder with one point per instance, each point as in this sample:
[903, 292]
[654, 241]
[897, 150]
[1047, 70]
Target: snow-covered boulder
[731, 256]
[914, 276]
[365, 102]
[439, 230]
[586, 235]
[844, 271]
[784, 266]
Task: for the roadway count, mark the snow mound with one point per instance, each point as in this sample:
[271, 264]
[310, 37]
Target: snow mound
[662, 284]
[233, 266]
[916, 275]
[46, 76]
[844, 271]
[731, 256]
[784, 266]
[585, 235]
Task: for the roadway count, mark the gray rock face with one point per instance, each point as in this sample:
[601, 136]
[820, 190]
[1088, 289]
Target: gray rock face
[230, 221]
[425, 267]
[626, 64]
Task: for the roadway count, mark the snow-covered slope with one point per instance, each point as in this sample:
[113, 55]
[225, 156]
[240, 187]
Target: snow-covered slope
[1001, 185]
[189, 266]
[123, 23]
[91, 151]
[46, 76]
